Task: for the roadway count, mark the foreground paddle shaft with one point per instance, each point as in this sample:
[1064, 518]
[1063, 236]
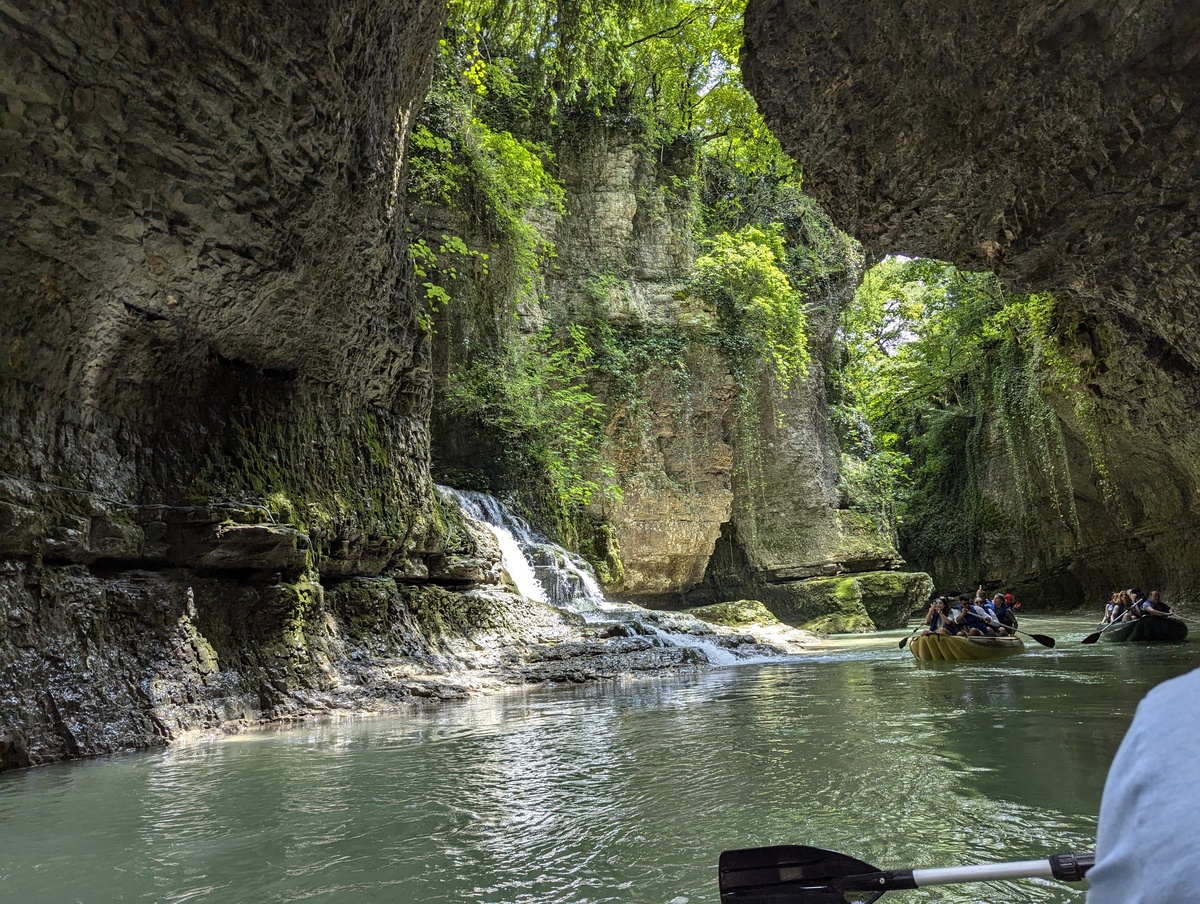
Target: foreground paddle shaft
[797, 874]
[1065, 867]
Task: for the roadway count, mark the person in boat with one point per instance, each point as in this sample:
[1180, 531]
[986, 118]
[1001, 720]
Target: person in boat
[940, 618]
[1004, 613]
[1146, 850]
[959, 614]
[1136, 598]
[1012, 602]
[989, 607]
[1115, 610]
[1130, 611]
[971, 617]
[1153, 605]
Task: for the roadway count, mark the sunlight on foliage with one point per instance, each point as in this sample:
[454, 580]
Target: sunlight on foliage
[673, 62]
[521, 83]
[742, 274]
[933, 356]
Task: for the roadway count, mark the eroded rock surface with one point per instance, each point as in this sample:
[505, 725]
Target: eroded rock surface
[729, 482]
[210, 372]
[1060, 146]
[215, 500]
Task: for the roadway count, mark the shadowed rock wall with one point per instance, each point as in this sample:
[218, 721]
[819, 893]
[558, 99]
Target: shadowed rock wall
[1060, 146]
[210, 373]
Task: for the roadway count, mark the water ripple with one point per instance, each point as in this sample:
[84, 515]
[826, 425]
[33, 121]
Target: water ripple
[605, 793]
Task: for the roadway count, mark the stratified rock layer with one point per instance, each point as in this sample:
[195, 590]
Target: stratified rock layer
[1060, 146]
[210, 372]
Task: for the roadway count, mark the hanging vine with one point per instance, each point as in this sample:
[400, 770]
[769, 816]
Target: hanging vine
[941, 360]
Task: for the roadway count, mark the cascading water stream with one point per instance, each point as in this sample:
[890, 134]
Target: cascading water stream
[544, 571]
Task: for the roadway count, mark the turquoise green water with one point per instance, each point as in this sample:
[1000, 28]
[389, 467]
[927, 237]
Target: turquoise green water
[625, 792]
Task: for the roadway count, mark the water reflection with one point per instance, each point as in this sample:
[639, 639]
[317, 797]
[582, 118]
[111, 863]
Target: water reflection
[622, 792]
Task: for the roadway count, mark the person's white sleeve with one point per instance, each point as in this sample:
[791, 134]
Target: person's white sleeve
[1148, 839]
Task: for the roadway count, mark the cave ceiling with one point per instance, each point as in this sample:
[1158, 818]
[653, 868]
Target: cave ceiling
[1056, 144]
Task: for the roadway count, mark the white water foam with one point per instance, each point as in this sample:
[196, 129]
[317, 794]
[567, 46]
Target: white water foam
[546, 572]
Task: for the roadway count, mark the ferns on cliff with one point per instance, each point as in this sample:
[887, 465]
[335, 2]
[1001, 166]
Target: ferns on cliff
[953, 372]
[535, 395]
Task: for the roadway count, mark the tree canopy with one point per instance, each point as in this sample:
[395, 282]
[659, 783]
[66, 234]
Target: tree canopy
[943, 368]
[674, 62]
[519, 85]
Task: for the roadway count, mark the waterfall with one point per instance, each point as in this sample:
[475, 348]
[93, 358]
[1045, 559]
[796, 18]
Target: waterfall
[541, 569]
[544, 571]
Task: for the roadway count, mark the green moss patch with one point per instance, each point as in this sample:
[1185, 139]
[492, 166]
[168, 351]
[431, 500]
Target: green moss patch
[735, 614]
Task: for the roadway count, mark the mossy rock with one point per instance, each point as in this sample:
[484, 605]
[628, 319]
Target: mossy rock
[735, 614]
[443, 613]
[849, 603]
[847, 623]
[861, 540]
[823, 605]
[891, 596]
[839, 600]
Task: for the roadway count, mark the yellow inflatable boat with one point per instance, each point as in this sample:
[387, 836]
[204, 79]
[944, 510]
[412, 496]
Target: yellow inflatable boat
[951, 648]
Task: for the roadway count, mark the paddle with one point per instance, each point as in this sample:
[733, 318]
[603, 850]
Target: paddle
[910, 636]
[1044, 639]
[797, 874]
[1092, 638]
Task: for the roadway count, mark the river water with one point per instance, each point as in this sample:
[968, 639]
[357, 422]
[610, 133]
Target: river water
[609, 792]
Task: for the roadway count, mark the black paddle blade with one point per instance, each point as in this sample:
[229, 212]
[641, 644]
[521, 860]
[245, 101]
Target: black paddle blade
[1092, 638]
[788, 874]
[1043, 639]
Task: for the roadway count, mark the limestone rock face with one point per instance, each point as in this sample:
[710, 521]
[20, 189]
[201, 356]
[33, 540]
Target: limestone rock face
[696, 452]
[625, 253]
[1058, 145]
[210, 371]
[676, 457]
[728, 483]
[200, 278]
[1055, 144]
[623, 257]
[844, 604]
[786, 521]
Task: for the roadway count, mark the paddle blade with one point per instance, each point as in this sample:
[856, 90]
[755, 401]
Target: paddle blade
[904, 642]
[1092, 638]
[1043, 639]
[788, 874]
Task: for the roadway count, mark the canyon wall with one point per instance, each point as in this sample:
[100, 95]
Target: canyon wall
[216, 382]
[728, 483]
[1060, 147]
[214, 391]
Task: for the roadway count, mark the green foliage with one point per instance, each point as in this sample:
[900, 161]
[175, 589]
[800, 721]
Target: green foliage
[437, 268]
[498, 182]
[627, 352]
[939, 516]
[914, 329]
[742, 273]
[536, 397]
[874, 470]
[940, 358]
[674, 63]
[521, 81]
